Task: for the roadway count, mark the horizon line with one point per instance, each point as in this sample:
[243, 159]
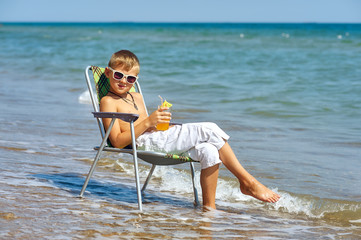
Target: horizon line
[164, 22]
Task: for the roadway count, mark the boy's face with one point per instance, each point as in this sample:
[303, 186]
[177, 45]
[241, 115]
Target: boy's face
[121, 86]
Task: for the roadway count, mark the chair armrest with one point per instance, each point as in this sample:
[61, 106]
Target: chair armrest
[127, 117]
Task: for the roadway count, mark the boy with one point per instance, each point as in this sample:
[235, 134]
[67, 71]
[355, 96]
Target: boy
[205, 142]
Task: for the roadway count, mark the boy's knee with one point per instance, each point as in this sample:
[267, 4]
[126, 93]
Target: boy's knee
[207, 154]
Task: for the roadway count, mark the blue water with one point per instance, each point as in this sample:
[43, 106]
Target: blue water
[289, 95]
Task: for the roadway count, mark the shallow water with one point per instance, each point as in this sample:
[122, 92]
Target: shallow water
[288, 95]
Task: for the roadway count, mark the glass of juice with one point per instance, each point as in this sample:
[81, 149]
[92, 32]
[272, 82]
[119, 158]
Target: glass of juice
[163, 126]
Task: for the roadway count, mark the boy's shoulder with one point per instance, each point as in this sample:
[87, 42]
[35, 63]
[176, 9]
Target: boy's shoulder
[108, 104]
[107, 100]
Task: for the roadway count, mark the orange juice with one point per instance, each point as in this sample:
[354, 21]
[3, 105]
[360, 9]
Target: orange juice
[162, 126]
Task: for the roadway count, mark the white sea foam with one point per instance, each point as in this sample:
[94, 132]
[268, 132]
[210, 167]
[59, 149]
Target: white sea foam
[355, 221]
[175, 180]
[125, 167]
[286, 35]
[292, 204]
[169, 179]
[84, 98]
[23, 179]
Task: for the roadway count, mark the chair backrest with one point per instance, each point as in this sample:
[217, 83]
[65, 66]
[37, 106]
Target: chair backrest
[102, 89]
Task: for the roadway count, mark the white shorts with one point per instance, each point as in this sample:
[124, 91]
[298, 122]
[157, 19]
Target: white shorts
[200, 141]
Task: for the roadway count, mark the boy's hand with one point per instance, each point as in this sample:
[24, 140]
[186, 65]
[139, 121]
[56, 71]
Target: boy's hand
[159, 116]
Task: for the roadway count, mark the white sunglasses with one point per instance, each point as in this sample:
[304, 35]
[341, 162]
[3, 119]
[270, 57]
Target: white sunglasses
[118, 76]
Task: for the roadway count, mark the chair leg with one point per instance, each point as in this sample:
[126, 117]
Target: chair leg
[196, 201]
[136, 171]
[97, 157]
[148, 178]
[90, 173]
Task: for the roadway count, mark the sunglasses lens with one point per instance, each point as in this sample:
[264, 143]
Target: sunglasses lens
[131, 79]
[118, 75]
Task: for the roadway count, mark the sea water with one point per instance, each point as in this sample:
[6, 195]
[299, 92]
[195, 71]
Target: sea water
[289, 95]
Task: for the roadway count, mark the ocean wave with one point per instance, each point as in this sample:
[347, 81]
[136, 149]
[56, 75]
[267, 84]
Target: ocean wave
[84, 98]
[170, 179]
[277, 114]
[321, 208]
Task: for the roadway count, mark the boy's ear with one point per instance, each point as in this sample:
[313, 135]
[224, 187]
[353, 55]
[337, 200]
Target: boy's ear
[106, 72]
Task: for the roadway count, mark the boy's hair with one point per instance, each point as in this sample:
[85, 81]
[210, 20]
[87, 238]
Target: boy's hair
[124, 59]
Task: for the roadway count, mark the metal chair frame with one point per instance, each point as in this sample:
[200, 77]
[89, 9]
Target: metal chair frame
[154, 158]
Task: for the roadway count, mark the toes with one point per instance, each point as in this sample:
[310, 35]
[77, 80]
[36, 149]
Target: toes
[275, 198]
[272, 200]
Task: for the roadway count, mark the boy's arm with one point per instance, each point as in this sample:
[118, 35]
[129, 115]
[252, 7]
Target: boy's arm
[120, 135]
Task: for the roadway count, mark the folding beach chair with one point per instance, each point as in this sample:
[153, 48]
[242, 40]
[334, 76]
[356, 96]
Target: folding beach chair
[154, 158]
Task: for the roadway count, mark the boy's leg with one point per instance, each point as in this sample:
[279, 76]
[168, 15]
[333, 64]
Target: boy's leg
[209, 178]
[249, 185]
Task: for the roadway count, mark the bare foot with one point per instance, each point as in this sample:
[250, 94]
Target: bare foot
[259, 191]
